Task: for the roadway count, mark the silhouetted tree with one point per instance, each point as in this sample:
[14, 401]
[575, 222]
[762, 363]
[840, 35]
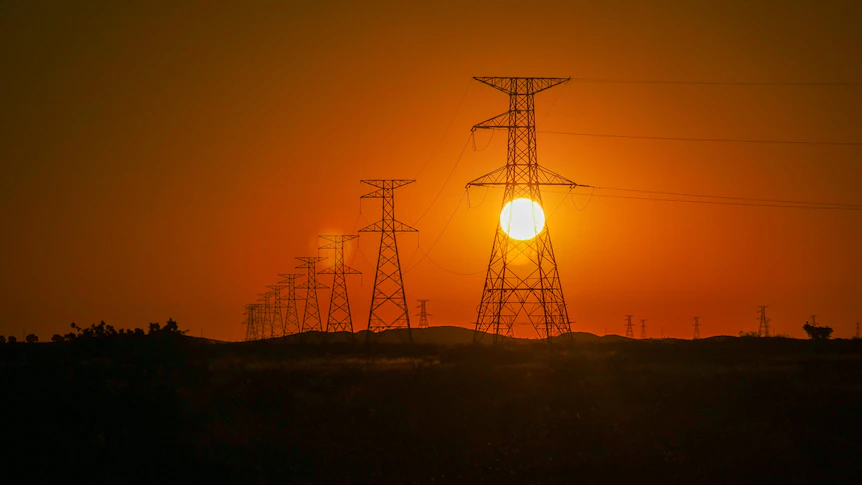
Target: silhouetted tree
[154, 328]
[12, 339]
[31, 339]
[2, 339]
[56, 338]
[816, 332]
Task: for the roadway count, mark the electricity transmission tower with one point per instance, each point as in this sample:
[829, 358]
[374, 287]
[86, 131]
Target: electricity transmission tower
[254, 322]
[696, 328]
[530, 285]
[311, 317]
[763, 329]
[339, 319]
[630, 331]
[388, 301]
[276, 315]
[291, 316]
[643, 328]
[423, 313]
[265, 317]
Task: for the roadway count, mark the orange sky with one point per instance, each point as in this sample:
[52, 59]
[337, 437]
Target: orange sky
[169, 161]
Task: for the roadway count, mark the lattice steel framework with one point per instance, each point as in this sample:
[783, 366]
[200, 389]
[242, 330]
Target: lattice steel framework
[252, 332]
[522, 276]
[311, 317]
[763, 328]
[339, 319]
[388, 301]
[423, 313]
[696, 328]
[630, 331]
[291, 315]
[265, 329]
[643, 328]
[276, 313]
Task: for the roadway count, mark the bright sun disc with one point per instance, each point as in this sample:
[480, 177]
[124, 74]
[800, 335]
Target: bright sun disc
[522, 219]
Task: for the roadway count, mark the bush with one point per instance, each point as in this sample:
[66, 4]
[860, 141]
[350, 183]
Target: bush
[816, 332]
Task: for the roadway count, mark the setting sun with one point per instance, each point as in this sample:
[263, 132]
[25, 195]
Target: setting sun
[522, 219]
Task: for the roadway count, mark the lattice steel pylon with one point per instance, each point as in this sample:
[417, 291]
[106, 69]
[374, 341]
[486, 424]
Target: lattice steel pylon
[388, 301]
[339, 318]
[630, 331]
[696, 328]
[311, 317]
[522, 274]
[291, 315]
[643, 328]
[251, 322]
[763, 328]
[276, 315]
[423, 313]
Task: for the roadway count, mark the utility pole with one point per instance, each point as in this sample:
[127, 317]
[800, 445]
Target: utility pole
[339, 319]
[388, 300]
[311, 317]
[265, 319]
[763, 328]
[696, 328]
[423, 313]
[532, 286]
[630, 331]
[291, 315]
[643, 328]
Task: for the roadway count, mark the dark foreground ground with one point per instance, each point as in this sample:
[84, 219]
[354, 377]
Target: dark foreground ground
[184, 411]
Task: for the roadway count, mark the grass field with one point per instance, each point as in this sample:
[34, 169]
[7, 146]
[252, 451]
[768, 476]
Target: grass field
[731, 410]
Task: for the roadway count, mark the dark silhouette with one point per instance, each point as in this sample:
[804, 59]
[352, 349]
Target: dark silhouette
[817, 332]
[57, 338]
[31, 338]
[2, 339]
[12, 339]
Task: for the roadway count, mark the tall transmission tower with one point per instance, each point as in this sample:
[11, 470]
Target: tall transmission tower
[423, 313]
[630, 331]
[763, 328]
[643, 328]
[339, 319]
[388, 301]
[291, 315]
[311, 317]
[532, 284]
[276, 316]
[696, 328]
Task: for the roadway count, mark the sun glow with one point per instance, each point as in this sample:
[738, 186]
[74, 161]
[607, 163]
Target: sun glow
[522, 219]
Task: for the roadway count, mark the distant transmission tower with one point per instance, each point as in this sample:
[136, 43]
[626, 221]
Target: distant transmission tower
[339, 319]
[291, 315]
[643, 328]
[763, 329]
[252, 332]
[423, 313]
[311, 317]
[388, 300]
[630, 331]
[696, 328]
[522, 275]
[276, 311]
[265, 318]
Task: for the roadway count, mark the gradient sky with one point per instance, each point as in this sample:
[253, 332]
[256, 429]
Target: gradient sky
[168, 159]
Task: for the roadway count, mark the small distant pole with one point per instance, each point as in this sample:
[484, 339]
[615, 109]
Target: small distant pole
[643, 328]
[813, 320]
[630, 333]
[696, 328]
[423, 313]
[763, 329]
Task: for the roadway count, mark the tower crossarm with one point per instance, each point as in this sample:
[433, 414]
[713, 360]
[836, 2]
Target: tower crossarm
[521, 85]
[380, 226]
[544, 177]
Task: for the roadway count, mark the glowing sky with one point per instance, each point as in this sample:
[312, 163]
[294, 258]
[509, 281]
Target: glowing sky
[171, 160]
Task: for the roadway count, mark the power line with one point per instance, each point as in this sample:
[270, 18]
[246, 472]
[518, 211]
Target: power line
[744, 204]
[710, 140]
[682, 194]
[451, 216]
[448, 177]
[452, 120]
[717, 83]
